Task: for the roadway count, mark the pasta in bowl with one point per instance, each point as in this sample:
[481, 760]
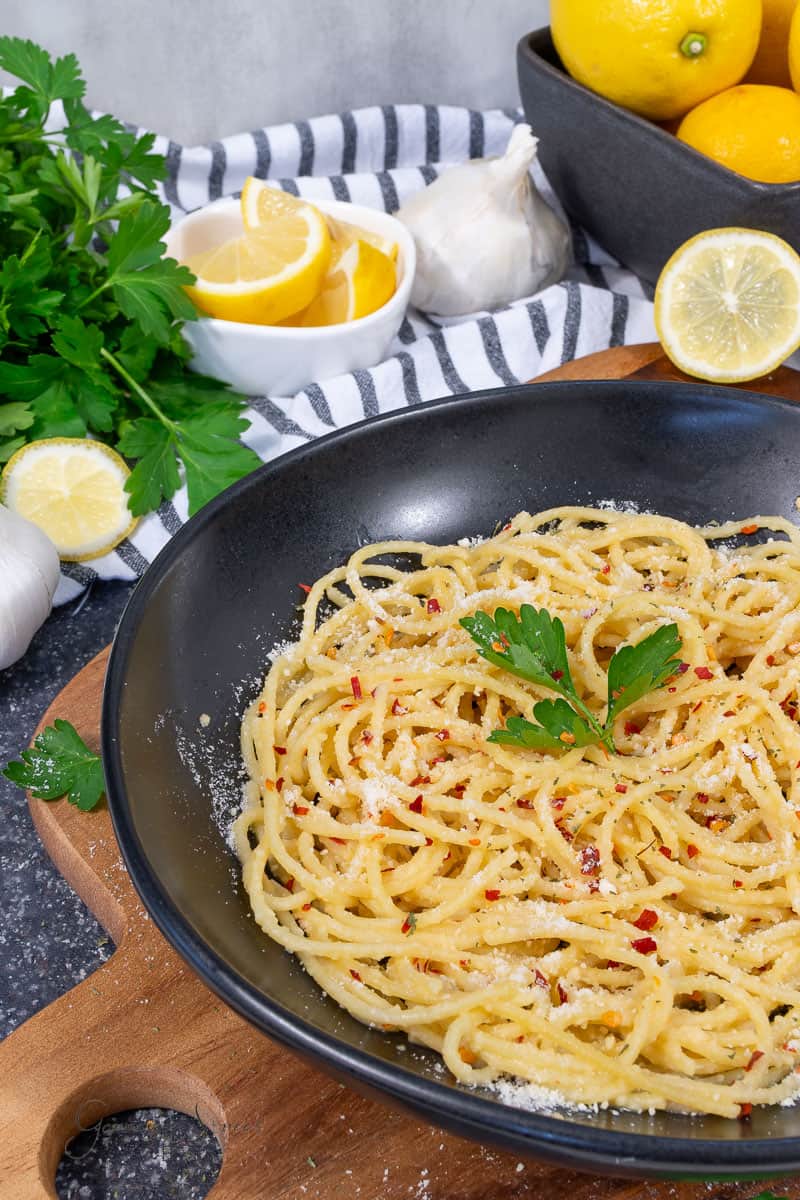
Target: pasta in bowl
[607, 923]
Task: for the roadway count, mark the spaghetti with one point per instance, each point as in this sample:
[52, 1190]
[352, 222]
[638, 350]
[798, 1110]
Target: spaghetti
[616, 929]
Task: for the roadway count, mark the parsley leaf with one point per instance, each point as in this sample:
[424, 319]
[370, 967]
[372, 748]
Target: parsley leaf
[533, 647]
[60, 763]
[559, 728]
[636, 670]
[155, 476]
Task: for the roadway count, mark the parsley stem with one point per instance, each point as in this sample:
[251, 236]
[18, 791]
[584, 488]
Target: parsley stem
[139, 390]
[603, 734]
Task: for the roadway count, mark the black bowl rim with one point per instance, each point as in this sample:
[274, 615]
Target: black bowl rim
[533, 1133]
[626, 117]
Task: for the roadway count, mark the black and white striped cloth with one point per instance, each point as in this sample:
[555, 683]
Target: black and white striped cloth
[379, 157]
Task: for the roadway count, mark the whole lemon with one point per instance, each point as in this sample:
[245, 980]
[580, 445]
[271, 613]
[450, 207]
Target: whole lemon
[794, 49]
[771, 63]
[753, 129]
[657, 57]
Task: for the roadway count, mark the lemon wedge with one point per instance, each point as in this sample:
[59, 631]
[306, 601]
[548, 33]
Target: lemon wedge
[360, 280]
[347, 233]
[275, 269]
[727, 305]
[73, 489]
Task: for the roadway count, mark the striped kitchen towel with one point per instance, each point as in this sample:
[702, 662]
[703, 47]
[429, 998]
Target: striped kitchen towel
[380, 157]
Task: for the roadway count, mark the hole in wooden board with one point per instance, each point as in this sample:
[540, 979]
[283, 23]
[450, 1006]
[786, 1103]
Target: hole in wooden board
[135, 1133]
[139, 1154]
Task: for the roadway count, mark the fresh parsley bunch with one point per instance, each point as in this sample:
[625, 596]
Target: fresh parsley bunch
[534, 647]
[90, 309]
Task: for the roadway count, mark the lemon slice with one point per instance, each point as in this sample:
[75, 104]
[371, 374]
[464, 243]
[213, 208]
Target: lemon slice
[727, 305]
[360, 280]
[274, 270]
[73, 489]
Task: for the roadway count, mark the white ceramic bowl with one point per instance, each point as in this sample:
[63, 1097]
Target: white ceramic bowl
[278, 360]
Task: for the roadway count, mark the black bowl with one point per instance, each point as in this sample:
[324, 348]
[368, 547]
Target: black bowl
[638, 190]
[194, 640]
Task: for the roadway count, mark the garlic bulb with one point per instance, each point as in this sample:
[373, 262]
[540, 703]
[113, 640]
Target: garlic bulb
[484, 234]
[29, 571]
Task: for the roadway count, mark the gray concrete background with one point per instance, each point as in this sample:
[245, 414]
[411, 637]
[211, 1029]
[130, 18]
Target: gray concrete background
[201, 69]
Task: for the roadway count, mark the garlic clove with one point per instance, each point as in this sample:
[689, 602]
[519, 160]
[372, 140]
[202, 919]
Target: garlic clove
[29, 572]
[484, 234]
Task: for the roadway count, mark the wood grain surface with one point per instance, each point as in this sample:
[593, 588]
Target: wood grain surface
[144, 1031]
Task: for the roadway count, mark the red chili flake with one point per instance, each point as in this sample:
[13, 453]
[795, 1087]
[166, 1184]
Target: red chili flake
[754, 1057]
[606, 569]
[698, 706]
[672, 689]
[646, 920]
[749, 529]
[557, 675]
[703, 673]
[557, 802]
[304, 587]
[279, 749]
[420, 779]
[416, 805]
[612, 964]
[621, 788]
[562, 994]
[398, 710]
[681, 668]
[770, 660]
[355, 684]
[525, 802]
[737, 883]
[262, 706]
[355, 975]
[428, 841]
[299, 810]
[443, 735]
[506, 526]
[289, 885]
[492, 893]
[279, 784]
[745, 1112]
[692, 850]
[593, 884]
[433, 605]
[306, 907]
[631, 728]
[541, 980]
[339, 841]
[347, 707]
[567, 738]
[665, 850]
[645, 945]
[459, 790]
[435, 761]
[590, 860]
[409, 924]
[366, 737]
[565, 833]
[701, 797]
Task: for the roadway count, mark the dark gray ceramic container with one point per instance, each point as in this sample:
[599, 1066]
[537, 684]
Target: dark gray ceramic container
[637, 189]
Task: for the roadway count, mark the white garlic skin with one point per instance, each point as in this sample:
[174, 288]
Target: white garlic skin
[29, 571]
[484, 234]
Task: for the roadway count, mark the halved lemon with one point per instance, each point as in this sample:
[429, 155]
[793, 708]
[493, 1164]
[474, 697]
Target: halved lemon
[727, 305]
[275, 269]
[360, 280]
[73, 489]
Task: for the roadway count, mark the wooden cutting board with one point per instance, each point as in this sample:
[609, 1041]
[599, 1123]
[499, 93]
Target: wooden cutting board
[144, 1031]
